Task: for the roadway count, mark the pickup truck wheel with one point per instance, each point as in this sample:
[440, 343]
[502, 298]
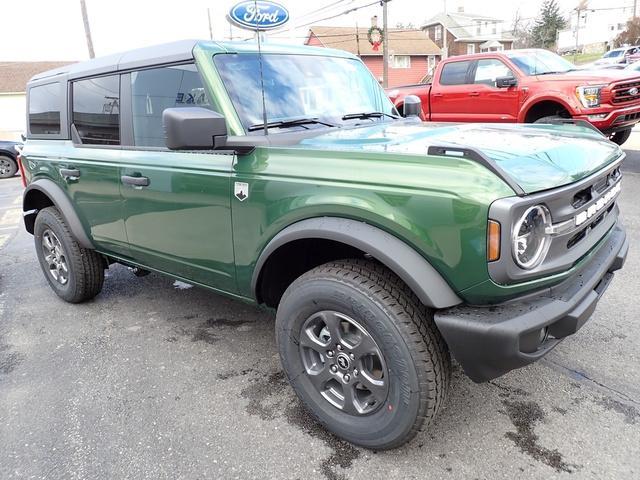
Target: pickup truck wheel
[549, 119]
[621, 136]
[76, 274]
[362, 353]
[8, 167]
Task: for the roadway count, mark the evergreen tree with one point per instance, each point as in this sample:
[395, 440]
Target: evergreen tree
[549, 21]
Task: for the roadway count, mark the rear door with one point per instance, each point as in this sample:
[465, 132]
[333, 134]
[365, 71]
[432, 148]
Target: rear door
[89, 165]
[490, 103]
[177, 204]
[450, 99]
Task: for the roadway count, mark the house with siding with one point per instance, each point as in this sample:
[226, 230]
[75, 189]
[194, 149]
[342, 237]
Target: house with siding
[463, 33]
[13, 81]
[412, 56]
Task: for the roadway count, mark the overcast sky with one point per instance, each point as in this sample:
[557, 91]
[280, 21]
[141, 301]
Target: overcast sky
[53, 30]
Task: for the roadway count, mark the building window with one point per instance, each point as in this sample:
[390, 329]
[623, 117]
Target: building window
[471, 48]
[437, 34]
[153, 91]
[44, 109]
[96, 110]
[478, 28]
[494, 28]
[401, 61]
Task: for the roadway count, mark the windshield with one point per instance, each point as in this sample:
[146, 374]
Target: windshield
[301, 87]
[539, 62]
[613, 53]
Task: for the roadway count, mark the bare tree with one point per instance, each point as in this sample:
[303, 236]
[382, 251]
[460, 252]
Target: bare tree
[521, 31]
[87, 30]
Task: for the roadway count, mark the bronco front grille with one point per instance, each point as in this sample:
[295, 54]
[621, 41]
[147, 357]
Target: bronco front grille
[625, 92]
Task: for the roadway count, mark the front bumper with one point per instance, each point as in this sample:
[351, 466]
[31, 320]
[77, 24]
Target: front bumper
[615, 120]
[490, 341]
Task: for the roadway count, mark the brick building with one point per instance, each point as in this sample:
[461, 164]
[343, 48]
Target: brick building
[412, 55]
[463, 33]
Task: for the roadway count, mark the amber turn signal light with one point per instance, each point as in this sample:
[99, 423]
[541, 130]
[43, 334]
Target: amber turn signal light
[493, 241]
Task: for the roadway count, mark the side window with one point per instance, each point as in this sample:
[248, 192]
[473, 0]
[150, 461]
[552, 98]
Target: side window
[488, 69]
[96, 110]
[44, 109]
[154, 90]
[455, 73]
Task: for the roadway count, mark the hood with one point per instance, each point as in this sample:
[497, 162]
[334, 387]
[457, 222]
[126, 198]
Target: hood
[591, 77]
[536, 157]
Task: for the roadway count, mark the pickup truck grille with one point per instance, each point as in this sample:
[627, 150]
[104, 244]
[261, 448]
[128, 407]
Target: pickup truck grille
[625, 92]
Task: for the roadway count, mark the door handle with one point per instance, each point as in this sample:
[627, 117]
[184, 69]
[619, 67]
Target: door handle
[135, 181]
[70, 173]
[474, 94]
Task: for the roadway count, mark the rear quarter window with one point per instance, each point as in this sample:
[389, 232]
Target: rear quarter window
[455, 73]
[45, 105]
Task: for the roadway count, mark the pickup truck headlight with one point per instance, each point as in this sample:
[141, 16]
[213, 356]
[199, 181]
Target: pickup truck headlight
[589, 96]
[530, 240]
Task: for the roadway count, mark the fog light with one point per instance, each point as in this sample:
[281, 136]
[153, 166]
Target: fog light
[598, 116]
[532, 341]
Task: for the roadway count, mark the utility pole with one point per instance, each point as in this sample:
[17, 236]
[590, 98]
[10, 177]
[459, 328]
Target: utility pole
[210, 29]
[579, 10]
[357, 39]
[385, 45]
[87, 30]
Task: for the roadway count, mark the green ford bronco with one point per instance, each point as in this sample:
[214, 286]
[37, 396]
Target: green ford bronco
[283, 176]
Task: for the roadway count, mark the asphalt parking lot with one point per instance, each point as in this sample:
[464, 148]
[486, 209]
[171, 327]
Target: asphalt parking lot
[156, 379]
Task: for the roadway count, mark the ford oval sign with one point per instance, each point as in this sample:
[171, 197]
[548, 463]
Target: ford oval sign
[255, 15]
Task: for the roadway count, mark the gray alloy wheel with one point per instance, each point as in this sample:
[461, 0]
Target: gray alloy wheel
[344, 363]
[8, 167]
[55, 257]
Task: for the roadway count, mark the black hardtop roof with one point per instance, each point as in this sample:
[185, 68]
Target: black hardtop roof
[158, 54]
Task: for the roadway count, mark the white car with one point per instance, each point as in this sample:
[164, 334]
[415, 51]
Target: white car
[616, 56]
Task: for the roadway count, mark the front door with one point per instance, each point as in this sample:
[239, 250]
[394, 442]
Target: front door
[493, 104]
[176, 204]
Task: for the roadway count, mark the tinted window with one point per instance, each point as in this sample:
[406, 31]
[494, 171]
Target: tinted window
[96, 110]
[489, 69]
[153, 91]
[454, 73]
[44, 109]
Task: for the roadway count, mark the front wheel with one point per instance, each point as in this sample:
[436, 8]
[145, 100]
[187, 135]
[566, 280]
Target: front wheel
[362, 353]
[621, 136]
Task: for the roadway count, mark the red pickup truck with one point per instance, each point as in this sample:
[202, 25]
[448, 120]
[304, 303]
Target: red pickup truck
[527, 86]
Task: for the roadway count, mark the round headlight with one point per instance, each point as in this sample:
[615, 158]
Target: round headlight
[530, 240]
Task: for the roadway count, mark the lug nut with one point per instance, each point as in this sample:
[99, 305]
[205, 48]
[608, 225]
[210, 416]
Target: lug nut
[333, 368]
[330, 353]
[346, 378]
[355, 372]
[352, 356]
[340, 347]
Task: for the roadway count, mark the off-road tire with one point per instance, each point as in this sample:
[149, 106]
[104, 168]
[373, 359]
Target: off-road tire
[416, 355]
[11, 167]
[621, 136]
[85, 266]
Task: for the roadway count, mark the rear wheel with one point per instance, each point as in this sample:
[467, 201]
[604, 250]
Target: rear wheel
[621, 136]
[8, 167]
[76, 274]
[362, 353]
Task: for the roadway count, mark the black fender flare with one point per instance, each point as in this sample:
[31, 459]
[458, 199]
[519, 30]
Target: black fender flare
[62, 203]
[403, 260]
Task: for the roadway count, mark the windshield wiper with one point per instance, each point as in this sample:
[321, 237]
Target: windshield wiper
[289, 123]
[351, 116]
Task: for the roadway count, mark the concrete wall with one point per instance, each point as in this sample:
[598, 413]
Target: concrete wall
[12, 115]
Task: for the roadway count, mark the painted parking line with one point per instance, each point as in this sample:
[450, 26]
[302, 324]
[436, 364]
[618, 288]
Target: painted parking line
[9, 220]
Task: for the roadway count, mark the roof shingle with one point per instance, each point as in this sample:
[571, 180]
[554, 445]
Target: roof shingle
[401, 42]
[15, 75]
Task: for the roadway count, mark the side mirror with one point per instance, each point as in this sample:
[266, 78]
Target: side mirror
[412, 106]
[194, 128]
[506, 82]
